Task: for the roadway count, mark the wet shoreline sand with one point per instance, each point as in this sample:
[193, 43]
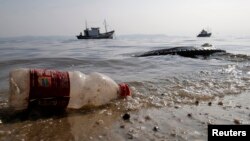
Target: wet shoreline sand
[173, 122]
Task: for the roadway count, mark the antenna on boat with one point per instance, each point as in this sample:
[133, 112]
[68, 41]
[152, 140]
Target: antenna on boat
[86, 24]
[105, 24]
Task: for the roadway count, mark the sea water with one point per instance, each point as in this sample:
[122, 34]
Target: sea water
[175, 76]
[156, 81]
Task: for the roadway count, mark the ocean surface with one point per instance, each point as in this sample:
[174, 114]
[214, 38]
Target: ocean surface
[177, 77]
[156, 81]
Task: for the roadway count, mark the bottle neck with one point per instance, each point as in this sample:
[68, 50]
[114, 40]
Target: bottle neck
[124, 90]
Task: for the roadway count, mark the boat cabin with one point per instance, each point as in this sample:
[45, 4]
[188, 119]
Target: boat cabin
[93, 32]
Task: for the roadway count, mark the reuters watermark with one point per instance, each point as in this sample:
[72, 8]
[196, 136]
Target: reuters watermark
[219, 132]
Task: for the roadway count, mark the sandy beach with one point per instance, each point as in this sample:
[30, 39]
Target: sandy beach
[173, 122]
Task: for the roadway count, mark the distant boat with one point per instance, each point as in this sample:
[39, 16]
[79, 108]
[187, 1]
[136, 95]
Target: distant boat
[204, 33]
[94, 33]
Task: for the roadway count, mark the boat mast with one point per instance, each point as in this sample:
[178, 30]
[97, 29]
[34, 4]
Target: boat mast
[86, 24]
[105, 25]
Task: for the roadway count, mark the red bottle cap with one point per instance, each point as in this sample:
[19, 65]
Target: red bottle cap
[124, 90]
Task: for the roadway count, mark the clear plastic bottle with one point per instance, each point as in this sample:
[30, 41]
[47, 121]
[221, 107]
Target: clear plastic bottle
[62, 89]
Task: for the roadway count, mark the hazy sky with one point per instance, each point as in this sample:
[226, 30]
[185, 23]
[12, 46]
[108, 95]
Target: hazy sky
[170, 17]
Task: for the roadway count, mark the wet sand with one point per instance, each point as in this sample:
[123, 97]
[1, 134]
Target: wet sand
[173, 122]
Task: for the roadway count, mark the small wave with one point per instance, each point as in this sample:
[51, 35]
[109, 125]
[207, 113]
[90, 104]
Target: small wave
[187, 89]
[231, 57]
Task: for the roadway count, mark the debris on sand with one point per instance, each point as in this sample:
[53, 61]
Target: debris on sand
[196, 102]
[209, 103]
[189, 115]
[99, 122]
[130, 136]
[126, 116]
[156, 129]
[220, 103]
[148, 117]
[236, 121]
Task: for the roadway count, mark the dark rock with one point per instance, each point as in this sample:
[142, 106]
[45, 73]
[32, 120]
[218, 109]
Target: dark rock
[238, 106]
[220, 103]
[122, 126]
[196, 102]
[173, 134]
[209, 103]
[189, 115]
[147, 117]
[156, 129]
[126, 116]
[236, 121]
[99, 122]
[130, 136]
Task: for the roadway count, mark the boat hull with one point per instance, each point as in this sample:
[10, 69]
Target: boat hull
[204, 35]
[107, 35]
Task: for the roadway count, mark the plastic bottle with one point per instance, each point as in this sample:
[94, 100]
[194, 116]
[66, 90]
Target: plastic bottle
[62, 89]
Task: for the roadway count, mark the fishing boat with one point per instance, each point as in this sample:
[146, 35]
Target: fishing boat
[204, 33]
[94, 33]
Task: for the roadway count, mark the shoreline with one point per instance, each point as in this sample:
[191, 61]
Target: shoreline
[176, 122]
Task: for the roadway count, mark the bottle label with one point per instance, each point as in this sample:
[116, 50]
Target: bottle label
[49, 88]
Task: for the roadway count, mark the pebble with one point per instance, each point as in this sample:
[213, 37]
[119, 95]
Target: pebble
[141, 121]
[189, 115]
[196, 102]
[156, 129]
[99, 122]
[100, 136]
[126, 116]
[238, 106]
[147, 117]
[209, 122]
[220, 103]
[122, 126]
[177, 106]
[173, 134]
[236, 121]
[130, 136]
[109, 113]
[209, 103]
